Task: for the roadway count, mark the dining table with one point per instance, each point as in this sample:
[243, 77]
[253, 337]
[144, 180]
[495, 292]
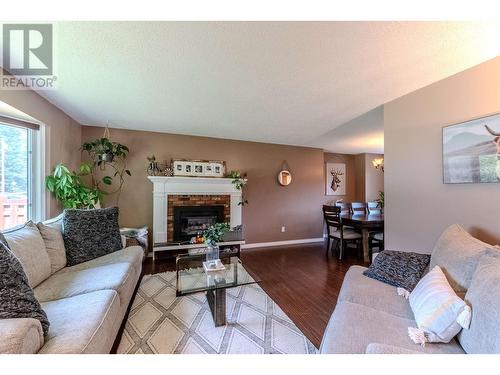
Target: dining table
[365, 223]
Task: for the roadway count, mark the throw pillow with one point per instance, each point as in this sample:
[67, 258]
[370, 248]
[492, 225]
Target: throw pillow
[483, 295]
[27, 245]
[54, 244]
[90, 234]
[17, 299]
[398, 268]
[457, 253]
[439, 313]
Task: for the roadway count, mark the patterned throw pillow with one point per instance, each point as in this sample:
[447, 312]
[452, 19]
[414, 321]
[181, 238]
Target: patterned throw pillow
[90, 234]
[398, 268]
[17, 299]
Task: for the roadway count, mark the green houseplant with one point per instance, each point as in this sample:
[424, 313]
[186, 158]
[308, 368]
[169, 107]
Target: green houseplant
[69, 188]
[214, 234]
[108, 165]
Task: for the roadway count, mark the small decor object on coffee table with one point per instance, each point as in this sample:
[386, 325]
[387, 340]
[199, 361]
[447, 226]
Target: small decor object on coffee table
[213, 236]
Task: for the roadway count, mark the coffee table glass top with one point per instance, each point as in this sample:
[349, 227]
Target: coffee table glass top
[192, 277]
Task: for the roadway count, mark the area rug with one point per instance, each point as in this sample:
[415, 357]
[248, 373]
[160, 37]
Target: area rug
[159, 322]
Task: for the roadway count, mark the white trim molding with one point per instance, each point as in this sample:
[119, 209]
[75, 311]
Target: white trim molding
[281, 243]
[165, 186]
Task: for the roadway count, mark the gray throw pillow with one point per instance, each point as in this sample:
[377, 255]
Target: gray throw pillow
[17, 299]
[398, 268]
[90, 234]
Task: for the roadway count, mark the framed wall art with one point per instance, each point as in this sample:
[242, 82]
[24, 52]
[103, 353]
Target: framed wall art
[471, 151]
[335, 179]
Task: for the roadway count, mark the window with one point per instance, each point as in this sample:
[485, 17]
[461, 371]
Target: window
[21, 192]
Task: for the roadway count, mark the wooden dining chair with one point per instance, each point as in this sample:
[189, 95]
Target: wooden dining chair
[374, 208]
[337, 233]
[345, 208]
[375, 241]
[358, 207]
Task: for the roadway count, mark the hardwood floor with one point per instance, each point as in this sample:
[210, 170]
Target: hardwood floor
[300, 279]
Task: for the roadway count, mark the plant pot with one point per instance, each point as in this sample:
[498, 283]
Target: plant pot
[108, 157]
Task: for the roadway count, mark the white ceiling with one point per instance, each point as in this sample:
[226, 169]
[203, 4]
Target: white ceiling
[278, 82]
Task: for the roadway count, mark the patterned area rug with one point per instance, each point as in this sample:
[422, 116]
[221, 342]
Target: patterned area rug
[162, 323]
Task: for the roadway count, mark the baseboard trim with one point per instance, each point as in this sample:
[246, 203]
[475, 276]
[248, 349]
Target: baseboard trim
[281, 243]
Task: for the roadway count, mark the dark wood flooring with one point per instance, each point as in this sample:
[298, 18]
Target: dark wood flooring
[300, 279]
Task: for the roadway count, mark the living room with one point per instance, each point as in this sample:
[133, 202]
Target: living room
[218, 187]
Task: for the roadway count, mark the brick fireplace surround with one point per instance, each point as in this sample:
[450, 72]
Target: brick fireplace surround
[195, 200]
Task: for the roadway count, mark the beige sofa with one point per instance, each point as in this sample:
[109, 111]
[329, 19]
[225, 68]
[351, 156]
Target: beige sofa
[370, 317]
[85, 304]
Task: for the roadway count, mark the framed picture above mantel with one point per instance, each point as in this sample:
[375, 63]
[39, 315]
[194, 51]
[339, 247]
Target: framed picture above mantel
[199, 168]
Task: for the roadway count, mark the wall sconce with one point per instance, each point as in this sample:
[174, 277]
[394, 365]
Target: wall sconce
[378, 163]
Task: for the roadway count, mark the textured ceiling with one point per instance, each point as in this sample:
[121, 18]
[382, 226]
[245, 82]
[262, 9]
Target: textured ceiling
[278, 82]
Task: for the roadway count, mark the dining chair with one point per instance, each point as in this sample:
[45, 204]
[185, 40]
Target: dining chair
[374, 208]
[336, 232]
[345, 208]
[375, 241]
[358, 207]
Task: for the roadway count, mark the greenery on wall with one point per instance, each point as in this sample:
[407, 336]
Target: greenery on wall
[239, 182]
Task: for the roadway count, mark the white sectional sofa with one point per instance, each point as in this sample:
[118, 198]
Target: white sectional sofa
[370, 317]
[85, 304]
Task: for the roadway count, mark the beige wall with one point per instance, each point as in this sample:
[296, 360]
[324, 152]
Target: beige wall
[350, 177]
[298, 206]
[63, 134]
[418, 205]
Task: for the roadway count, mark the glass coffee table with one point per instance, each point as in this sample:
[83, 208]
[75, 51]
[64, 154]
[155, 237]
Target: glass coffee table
[192, 278]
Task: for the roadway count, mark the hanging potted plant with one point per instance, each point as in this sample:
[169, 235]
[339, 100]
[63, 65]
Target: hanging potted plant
[107, 156]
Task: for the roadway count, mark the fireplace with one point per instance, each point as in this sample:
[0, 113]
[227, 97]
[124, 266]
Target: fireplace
[191, 220]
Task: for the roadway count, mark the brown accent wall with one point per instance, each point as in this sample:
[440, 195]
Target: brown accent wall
[195, 200]
[271, 206]
[63, 134]
[418, 205]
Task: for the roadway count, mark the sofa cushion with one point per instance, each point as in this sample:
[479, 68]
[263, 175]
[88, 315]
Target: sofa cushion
[438, 311]
[483, 335]
[89, 234]
[457, 253]
[353, 327]
[20, 336]
[69, 284]
[358, 288]
[398, 268]
[83, 323]
[27, 245]
[132, 254]
[54, 245]
[17, 299]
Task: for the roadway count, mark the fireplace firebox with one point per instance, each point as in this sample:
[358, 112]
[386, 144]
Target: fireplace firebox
[191, 220]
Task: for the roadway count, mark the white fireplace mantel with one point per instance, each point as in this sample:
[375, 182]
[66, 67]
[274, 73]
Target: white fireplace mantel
[165, 186]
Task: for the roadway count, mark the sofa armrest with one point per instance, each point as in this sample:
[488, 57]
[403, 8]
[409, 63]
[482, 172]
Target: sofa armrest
[20, 336]
[375, 348]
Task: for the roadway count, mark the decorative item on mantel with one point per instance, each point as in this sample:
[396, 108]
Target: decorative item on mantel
[198, 168]
[239, 182]
[159, 169]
